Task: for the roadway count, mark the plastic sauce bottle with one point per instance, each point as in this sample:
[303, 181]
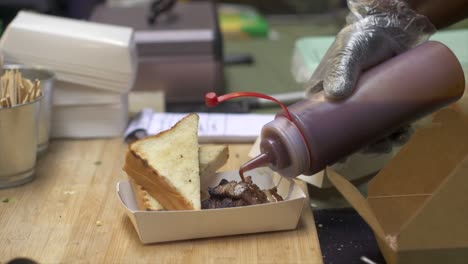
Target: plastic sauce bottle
[316, 132]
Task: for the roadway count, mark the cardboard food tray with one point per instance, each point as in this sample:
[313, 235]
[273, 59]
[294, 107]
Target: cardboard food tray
[162, 226]
[417, 205]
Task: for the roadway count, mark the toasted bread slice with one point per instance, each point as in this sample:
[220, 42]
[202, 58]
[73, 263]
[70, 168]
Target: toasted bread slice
[211, 158]
[144, 200]
[167, 165]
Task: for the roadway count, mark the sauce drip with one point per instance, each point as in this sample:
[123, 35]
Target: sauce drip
[241, 173]
[274, 193]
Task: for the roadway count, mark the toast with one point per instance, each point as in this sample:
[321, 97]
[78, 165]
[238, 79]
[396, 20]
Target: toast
[211, 158]
[167, 165]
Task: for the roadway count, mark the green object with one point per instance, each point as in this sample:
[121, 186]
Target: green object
[242, 21]
[457, 41]
[308, 52]
[8, 200]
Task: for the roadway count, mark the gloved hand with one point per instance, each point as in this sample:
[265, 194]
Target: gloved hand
[376, 30]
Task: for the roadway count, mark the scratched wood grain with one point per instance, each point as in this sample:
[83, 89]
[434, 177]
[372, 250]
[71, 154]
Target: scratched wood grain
[54, 218]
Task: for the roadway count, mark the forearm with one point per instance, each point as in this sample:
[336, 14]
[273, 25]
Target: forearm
[441, 13]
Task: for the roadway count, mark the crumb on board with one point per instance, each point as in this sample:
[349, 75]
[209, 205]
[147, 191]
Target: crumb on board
[7, 200]
[98, 223]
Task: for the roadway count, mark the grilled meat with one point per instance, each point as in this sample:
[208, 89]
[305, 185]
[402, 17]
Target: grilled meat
[233, 194]
[213, 203]
[272, 195]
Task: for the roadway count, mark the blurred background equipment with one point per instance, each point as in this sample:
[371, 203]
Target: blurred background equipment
[181, 53]
[238, 21]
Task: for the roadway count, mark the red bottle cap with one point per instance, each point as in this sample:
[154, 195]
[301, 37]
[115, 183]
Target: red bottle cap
[212, 99]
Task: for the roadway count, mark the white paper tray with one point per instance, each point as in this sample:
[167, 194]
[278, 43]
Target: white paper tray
[161, 226]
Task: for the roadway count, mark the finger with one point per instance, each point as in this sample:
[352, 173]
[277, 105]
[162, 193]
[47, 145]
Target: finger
[362, 49]
[344, 68]
[341, 77]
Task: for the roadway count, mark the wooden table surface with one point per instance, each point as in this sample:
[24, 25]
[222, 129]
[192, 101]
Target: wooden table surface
[54, 218]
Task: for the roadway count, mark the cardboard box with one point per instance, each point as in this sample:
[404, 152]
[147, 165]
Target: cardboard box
[161, 226]
[417, 205]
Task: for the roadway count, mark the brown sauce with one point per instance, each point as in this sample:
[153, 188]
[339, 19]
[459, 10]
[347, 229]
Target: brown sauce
[241, 173]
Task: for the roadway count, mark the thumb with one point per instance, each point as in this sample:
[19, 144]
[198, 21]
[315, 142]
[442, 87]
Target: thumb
[341, 76]
[361, 50]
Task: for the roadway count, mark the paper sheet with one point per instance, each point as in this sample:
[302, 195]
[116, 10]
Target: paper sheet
[213, 127]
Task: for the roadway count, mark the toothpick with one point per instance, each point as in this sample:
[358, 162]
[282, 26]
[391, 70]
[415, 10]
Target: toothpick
[8, 101]
[13, 78]
[3, 103]
[22, 91]
[25, 99]
[17, 86]
[1, 86]
[30, 91]
[30, 95]
[25, 84]
[17, 95]
[29, 88]
[11, 87]
[38, 90]
[5, 86]
[34, 91]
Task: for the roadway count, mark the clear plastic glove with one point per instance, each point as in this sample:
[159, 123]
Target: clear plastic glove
[376, 30]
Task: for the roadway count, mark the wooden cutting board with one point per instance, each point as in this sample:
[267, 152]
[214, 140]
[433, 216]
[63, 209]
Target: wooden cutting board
[71, 213]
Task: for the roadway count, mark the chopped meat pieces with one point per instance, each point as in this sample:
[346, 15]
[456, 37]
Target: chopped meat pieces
[274, 192]
[234, 194]
[213, 203]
